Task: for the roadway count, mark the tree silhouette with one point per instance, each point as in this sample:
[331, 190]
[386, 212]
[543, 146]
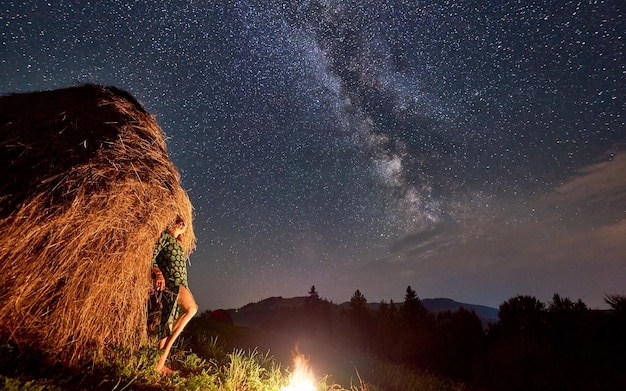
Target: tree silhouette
[360, 320]
[312, 301]
[313, 293]
[521, 314]
[358, 302]
[412, 310]
[616, 302]
[410, 294]
[460, 340]
[561, 304]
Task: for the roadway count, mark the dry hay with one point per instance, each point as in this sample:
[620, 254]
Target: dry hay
[87, 189]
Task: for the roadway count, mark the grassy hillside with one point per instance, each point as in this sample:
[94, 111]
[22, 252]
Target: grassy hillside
[217, 357]
[339, 367]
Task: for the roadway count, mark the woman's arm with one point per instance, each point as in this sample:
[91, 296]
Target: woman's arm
[159, 282]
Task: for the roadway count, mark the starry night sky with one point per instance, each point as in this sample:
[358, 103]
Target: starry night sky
[473, 150]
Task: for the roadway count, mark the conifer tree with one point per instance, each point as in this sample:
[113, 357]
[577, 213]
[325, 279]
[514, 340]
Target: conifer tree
[412, 309]
[313, 293]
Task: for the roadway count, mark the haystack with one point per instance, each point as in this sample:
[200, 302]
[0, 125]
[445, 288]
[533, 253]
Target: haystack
[87, 188]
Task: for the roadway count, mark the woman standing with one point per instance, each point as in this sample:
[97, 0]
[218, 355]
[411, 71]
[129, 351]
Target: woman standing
[170, 269]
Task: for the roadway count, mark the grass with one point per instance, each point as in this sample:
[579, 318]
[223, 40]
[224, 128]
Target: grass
[394, 377]
[216, 364]
[239, 370]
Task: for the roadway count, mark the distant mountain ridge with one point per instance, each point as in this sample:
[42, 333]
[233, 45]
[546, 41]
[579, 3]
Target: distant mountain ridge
[253, 315]
[443, 304]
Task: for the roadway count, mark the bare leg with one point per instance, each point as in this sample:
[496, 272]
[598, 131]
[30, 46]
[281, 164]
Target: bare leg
[190, 308]
[162, 343]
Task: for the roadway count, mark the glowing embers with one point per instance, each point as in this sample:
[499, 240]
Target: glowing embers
[301, 379]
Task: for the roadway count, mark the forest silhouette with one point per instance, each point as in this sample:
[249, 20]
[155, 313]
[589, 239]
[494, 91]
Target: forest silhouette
[561, 345]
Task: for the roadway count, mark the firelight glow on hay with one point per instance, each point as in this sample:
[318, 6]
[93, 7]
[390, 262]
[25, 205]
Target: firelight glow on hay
[87, 189]
[301, 378]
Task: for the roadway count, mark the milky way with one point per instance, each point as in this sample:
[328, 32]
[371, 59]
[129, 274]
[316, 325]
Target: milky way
[365, 144]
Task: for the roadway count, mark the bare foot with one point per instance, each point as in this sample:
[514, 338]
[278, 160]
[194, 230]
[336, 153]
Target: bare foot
[165, 370]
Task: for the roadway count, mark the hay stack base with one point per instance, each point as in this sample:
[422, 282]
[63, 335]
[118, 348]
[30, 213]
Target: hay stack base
[87, 189]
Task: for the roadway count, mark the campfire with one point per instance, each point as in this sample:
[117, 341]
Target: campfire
[301, 379]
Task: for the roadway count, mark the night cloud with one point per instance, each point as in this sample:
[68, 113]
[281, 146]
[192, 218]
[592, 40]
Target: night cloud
[569, 241]
[597, 194]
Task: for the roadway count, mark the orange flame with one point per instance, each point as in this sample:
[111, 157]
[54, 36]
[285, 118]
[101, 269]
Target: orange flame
[301, 378]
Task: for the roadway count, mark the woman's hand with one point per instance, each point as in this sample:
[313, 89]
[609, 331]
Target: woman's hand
[159, 282]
